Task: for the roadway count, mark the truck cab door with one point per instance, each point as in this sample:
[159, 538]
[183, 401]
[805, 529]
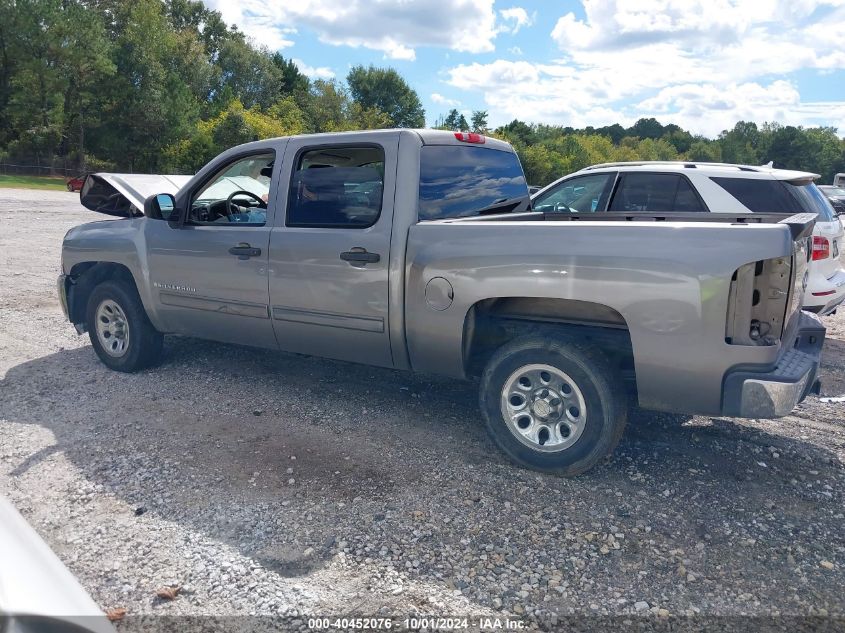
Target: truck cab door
[330, 248]
[208, 271]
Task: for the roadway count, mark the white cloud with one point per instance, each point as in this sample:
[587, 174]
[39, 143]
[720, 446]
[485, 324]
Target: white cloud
[515, 18]
[716, 108]
[438, 98]
[394, 27]
[700, 63]
[702, 99]
[321, 72]
[515, 50]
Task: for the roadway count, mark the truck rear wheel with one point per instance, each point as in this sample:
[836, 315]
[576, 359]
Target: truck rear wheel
[120, 332]
[553, 405]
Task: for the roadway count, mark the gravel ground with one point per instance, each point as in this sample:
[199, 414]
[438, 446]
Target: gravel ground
[267, 483]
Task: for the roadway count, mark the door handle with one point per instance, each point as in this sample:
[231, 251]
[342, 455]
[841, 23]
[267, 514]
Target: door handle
[245, 251]
[360, 255]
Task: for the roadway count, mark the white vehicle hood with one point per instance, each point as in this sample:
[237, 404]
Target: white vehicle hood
[35, 587]
[124, 194]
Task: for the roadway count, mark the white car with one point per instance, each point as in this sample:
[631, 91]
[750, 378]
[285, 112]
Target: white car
[38, 594]
[680, 186]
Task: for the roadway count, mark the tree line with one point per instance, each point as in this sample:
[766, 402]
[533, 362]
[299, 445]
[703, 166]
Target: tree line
[165, 85]
[548, 152]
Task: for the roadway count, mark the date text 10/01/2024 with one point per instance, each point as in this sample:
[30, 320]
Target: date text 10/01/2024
[417, 623]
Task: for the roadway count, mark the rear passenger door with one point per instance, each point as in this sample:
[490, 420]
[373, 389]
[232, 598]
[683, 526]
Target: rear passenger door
[330, 248]
[643, 192]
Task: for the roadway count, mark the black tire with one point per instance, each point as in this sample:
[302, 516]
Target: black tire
[70, 187]
[600, 387]
[143, 343]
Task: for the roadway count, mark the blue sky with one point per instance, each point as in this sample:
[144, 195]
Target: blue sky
[703, 64]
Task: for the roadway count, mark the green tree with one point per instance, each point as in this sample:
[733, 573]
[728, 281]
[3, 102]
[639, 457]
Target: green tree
[147, 104]
[385, 90]
[518, 132]
[61, 56]
[614, 132]
[10, 54]
[234, 125]
[478, 121]
[293, 81]
[193, 15]
[359, 118]
[34, 107]
[647, 128]
[790, 148]
[680, 139]
[827, 152]
[452, 120]
[327, 106]
[704, 151]
[742, 144]
[249, 74]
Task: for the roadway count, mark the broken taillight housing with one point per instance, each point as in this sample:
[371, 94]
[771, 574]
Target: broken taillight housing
[821, 247]
[759, 301]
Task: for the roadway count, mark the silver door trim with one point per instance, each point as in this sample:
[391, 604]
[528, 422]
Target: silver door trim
[210, 304]
[329, 319]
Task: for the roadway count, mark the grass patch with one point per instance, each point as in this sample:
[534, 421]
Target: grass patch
[52, 183]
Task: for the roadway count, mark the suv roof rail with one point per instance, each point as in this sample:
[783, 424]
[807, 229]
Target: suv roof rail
[689, 164]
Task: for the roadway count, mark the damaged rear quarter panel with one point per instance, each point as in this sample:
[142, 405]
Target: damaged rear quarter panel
[669, 281]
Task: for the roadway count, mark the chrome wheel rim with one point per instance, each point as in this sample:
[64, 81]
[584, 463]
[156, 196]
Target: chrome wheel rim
[543, 408]
[112, 328]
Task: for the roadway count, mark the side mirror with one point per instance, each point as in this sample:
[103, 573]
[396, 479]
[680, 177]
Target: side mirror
[160, 206]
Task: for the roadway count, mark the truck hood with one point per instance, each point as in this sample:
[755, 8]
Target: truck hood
[124, 194]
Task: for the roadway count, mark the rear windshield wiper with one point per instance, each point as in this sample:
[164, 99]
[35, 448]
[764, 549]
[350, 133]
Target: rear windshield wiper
[506, 205]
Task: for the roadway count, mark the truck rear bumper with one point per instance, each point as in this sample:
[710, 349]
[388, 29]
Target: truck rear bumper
[774, 393]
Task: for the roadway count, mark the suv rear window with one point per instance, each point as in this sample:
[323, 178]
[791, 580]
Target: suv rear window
[813, 200]
[460, 182]
[776, 196]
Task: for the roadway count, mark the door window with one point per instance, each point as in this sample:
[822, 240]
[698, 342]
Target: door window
[337, 187]
[655, 193]
[582, 194]
[236, 195]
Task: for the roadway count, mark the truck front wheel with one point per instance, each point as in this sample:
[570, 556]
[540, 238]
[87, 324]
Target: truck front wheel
[120, 332]
[553, 405]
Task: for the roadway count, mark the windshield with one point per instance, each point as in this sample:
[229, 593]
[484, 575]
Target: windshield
[221, 189]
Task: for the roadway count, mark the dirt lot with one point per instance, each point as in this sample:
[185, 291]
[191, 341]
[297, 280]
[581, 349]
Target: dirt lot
[266, 483]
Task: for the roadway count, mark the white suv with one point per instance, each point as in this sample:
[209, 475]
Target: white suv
[664, 187]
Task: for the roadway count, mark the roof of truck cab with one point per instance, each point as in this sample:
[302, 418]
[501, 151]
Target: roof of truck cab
[746, 171]
[426, 135]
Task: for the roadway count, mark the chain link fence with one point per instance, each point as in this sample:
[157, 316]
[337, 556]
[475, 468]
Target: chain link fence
[16, 169]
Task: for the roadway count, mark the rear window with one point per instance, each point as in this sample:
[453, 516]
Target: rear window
[776, 196]
[460, 182]
[813, 200]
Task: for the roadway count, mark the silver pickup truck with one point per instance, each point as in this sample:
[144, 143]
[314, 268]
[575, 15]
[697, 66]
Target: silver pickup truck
[417, 250]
